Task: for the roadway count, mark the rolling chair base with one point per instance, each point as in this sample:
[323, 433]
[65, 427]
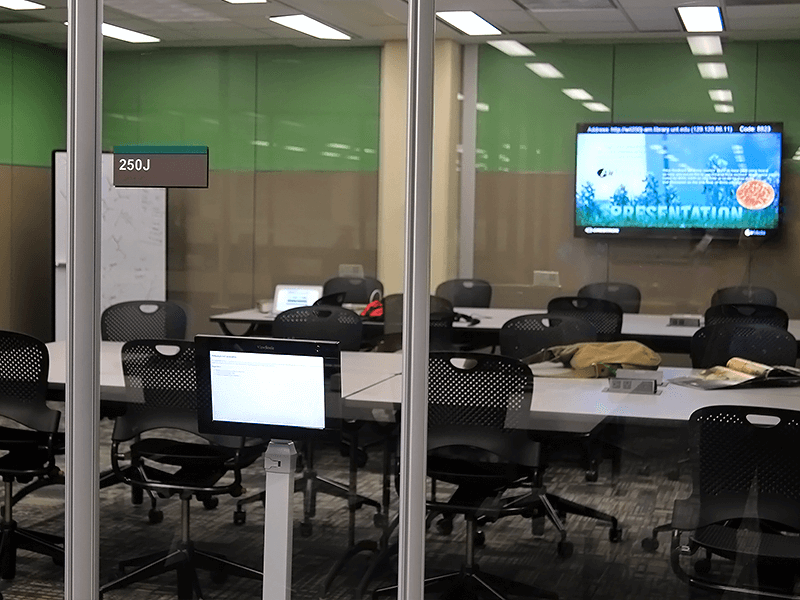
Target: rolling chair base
[185, 560]
[13, 538]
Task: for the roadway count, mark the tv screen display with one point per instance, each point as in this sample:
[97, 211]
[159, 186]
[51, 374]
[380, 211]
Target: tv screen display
[678, 180]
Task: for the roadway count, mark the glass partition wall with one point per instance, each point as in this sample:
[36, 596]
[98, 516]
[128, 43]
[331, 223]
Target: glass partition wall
[307, 147]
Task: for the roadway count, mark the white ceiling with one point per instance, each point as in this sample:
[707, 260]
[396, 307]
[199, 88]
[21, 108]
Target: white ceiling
[181, 23]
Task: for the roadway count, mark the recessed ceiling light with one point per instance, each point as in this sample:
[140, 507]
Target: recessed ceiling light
[699, 19]
[246, 1]
[126, 35]
[468, 22]
[723, 108]
[545, 70]
[309, 26]
[578, 94]
[713, 70]
[20, 5]
[596, 107]
[512, 48]
[705, 45]
[721, 95]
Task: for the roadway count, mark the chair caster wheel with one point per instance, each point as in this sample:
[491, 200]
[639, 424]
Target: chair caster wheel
[615, 535]
[650, 544]
[537, 526]
[239, 517]
[155, 516]
[702, 566]
[211, 503]
[591, 475]
[565, 549]
[479, 539]
[137, 495]
[444, 526]
[306, 529]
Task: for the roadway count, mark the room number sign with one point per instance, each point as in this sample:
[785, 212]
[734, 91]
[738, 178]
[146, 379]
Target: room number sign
[161, 166]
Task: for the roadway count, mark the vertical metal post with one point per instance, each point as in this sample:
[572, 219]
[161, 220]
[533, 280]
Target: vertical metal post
[469, 128]
[84, 64]
[416, 305]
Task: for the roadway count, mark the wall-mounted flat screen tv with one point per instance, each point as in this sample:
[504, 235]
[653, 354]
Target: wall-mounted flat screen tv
[678, 180]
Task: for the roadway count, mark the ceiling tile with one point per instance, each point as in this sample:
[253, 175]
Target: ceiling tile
[656, 19]
[744, 18]
[514, 21]
[600, 20]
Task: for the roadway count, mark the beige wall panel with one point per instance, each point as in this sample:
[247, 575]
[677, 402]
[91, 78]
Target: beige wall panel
[308, 223]
[32, 252]
[5, 246]
[210, 247]
[524, 222]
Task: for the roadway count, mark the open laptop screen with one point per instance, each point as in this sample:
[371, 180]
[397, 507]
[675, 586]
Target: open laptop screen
[267, 387]
[293, 296]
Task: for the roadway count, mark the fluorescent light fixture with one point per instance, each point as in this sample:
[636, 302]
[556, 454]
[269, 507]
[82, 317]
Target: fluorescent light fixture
[705, 45]
[468, 22]
[309, 26]
[720, 95]
[545, 70]
[596, 107]
[700, 18]
[713, 70]
[723, 108]
[512, 48]
[578, 94]
[246, 1]
[126, 35]
[20, 5]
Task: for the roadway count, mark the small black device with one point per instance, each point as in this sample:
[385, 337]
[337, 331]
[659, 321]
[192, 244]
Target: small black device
[268, 387]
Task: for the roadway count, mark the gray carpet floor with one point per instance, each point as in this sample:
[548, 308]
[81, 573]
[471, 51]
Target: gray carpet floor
[641, 497]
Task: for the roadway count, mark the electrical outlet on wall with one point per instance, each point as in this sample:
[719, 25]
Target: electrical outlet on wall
[546, 278]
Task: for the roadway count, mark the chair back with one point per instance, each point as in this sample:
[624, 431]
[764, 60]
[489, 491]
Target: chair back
[716, 344]
[332, 323]
[23, 382]
[161, 382]
[358, 290]
[143, 319]
[475, 293]
[605, 315]
[743, 294]
[478, 410]
[528, 334]
[626, 295]
[441, 321]
[745, 463]
[747, 313]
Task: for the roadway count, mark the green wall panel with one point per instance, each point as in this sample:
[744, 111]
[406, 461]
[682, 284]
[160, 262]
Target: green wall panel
[32, 103]
[779, 91]
[661, 82]
[318, 109]
[6, 94]
[526, 122]
[121, 100]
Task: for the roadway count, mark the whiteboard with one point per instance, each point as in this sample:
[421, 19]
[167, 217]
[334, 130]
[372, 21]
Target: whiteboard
[133, 241]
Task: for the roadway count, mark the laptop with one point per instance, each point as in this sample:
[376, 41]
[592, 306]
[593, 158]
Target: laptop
[268, 388]
[288, 296]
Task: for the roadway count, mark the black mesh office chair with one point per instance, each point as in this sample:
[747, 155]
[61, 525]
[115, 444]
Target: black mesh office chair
[441, 320]
[745, 502]
[478, 414]
[316, 323]
[160, 375]
[28, 451]
[743, 294]
[715, 345]
[747, 313]
[143, 319]
[605, 315]
[358, 290]
[626, 295]
[526, 335]
[466, 292]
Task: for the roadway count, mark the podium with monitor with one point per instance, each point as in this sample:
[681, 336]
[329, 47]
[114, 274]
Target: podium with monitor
[277, 389]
